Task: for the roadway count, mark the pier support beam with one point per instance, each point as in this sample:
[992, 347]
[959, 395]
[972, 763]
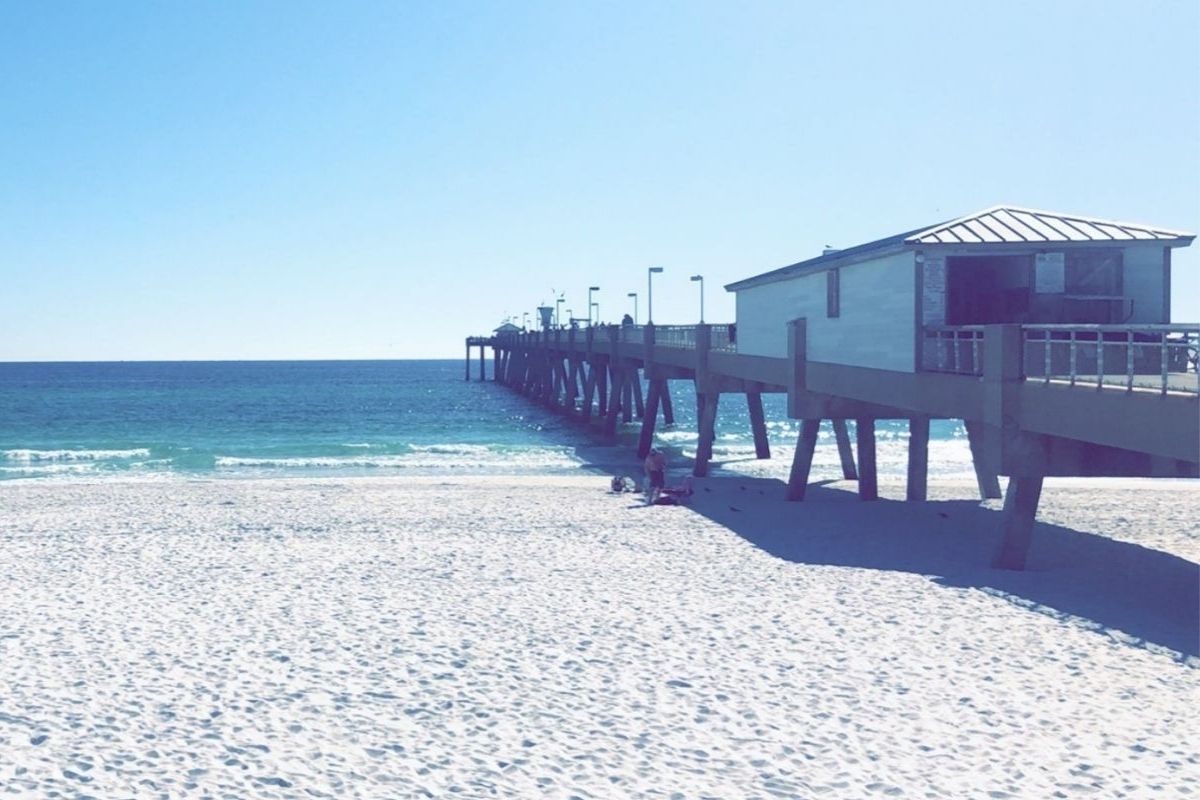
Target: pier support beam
[758, 425]
[845, 452]
[482, 370]
[649, 418]
[667, 410]
[468, 376]
[589, 393]
[868, 486]
[639, 404]
[614, 405]
[806, 444]
[989, 482]
[1020, 511]
[707, 403]
[626, 394]
[918, 459]
[602, 404]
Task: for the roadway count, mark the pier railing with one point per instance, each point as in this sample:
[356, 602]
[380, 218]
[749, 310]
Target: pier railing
[723, 338]
[1159, 358]
[953, 348]
[682, 336]
[1154, 357]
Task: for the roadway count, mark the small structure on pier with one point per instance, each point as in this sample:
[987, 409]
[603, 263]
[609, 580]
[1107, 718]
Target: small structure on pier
[886, 304]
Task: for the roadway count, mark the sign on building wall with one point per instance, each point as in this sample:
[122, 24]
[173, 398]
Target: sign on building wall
[1049, 273]
[933, 291]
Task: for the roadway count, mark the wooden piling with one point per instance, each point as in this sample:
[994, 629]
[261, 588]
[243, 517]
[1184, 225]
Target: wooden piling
[868, 486]
[806, 445]
[1020, 512]
[638, 404]
[758, 425]
[918, 458]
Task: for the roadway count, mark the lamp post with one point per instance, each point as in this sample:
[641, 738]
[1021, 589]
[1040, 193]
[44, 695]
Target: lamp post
[635, 314]
[701, 279]
[524, 320]
[650, 292]
[591, 304]
[558, 301]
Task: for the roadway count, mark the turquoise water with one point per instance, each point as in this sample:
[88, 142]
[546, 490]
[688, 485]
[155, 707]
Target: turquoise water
[310, 417]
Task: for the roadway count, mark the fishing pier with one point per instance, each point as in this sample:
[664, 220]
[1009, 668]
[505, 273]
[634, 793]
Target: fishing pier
[1048, 335]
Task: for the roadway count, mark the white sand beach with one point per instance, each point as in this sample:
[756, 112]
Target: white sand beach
[518, 637]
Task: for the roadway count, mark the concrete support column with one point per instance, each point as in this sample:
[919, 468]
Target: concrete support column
[482, 370]
[668, 411]
[797, 360]
[988, 481]
[1020, 512]
[614, 404]
[868, 487]
[918, 458]
[758, 425]
[468, 375]
[845, 452]
[708, 423]
[806, 444]
[589, 392]
[601, 372]
[649, 418]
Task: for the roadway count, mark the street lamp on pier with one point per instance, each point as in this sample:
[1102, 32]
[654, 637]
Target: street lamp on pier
[592, 305]
[701, 279]
[650, 292]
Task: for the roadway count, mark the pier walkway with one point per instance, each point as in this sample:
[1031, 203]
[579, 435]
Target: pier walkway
[1037, 400]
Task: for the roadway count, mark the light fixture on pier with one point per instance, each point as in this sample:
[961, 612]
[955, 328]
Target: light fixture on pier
[592, 305]
[650, 292]
[635, 314]
[701, 279]
[558, 301]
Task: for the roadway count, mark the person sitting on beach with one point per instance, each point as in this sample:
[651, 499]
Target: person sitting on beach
[656, 471]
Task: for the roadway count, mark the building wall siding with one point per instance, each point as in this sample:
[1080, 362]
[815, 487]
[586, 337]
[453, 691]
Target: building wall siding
[875, 327]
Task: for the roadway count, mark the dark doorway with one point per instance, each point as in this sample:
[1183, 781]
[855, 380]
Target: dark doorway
[983, 290]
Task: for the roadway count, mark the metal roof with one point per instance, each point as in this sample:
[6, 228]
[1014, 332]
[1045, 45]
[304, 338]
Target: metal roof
[1011, 225]
[998, 225]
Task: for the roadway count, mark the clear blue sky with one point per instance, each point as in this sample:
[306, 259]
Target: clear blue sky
[354, 180]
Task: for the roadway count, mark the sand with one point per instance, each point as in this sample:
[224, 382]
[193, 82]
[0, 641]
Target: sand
[394, 638]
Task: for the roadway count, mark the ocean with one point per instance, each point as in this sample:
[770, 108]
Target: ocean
[287, 418]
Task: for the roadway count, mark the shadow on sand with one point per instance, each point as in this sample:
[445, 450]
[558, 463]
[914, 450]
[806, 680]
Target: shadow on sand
[1133, 594]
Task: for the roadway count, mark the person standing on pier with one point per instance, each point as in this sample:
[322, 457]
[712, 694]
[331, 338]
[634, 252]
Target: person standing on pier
[656, 472]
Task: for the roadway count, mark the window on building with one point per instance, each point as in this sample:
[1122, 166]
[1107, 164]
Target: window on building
[1094, 273]
[833, 299]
